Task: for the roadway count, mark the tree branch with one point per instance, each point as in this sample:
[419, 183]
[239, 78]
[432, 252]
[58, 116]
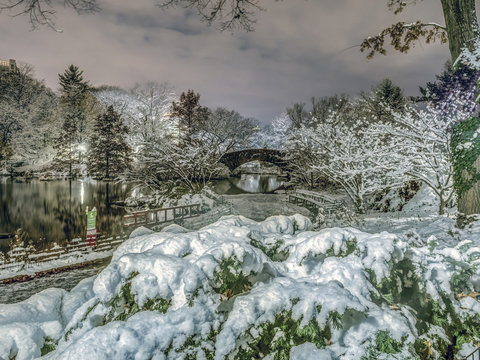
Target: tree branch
[41, 12]
[403, 37]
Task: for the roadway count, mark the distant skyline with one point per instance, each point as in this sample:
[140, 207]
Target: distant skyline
[299, 49]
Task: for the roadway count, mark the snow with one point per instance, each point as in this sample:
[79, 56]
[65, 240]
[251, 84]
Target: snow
[218, 290]
[66, 260]
[424, 202]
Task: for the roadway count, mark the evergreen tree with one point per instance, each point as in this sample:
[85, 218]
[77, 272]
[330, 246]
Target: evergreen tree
[74, 94]
[190, 114]
[67, 151]
[391, 95]
[73, 110]
[109, 152]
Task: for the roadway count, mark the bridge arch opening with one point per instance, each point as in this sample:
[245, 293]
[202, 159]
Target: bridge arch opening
[237, 158]
[257, 183]
[258, 167]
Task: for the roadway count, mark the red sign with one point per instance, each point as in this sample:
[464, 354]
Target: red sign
[92, 237]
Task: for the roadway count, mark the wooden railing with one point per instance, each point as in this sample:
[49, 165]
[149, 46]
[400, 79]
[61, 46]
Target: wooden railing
[475, 355]
[159, 216]
[23, 257]
[20, 257]
[314, 200]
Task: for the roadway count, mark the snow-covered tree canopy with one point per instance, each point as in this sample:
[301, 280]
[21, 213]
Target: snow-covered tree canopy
[228, 130]
[27, 115]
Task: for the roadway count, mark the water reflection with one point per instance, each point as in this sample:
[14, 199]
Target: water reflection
[55, 211]
[250, 183]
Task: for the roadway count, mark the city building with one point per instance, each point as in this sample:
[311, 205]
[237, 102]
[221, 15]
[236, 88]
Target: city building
[8, 66]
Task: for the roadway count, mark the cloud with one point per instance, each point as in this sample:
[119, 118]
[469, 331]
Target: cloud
[300, 49]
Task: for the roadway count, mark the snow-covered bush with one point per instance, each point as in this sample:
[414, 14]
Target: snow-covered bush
[343, 216]
[238, 289]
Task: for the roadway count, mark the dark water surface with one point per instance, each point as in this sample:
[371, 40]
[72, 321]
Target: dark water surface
[55, 211]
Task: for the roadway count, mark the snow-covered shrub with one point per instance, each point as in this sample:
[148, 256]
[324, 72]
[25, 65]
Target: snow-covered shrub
[395, 199]
[343, 216]
[238, 289]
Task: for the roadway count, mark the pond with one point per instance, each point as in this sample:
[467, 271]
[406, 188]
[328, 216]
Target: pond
[55, 211]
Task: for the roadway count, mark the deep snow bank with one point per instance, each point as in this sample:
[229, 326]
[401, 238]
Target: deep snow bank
[241, 289]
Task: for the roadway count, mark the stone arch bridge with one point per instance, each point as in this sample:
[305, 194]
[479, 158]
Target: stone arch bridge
[236, 158]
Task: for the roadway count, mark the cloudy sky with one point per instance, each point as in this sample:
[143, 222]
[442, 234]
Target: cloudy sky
[300, 49]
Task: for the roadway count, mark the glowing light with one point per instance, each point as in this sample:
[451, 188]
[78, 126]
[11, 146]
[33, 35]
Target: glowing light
[82, 193]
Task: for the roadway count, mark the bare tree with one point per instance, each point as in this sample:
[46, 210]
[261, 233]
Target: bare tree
[227, 130]
[42, 12]
[230, 14]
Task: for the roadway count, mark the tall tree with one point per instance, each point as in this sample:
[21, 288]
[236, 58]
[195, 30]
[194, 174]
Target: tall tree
[26, 114]
[227, 130]
[462, 32]
[73, 110]
[391, 95]
[109, 153]
[189, 113]
[74, 94]
[151, 104]
[298, 115]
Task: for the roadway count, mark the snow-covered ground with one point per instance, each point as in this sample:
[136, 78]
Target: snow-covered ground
[68, 260]
[272, 289]
[18, 291]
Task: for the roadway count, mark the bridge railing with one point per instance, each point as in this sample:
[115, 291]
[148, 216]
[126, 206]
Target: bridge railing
[163, 215]
[314, 200]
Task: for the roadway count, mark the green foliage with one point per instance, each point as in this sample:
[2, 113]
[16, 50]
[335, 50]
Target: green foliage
[109, 154]
[335, 319]
[350, 247]
[386, 344]
[468, 332]
[89, 310]
[190, 114]
[74, 110]
[195, 347]
[48, 346]
[229, 277]
[387, 93]
[401, 286]
[272, 250]
[279, 336]
[124, 304]
[463, 330]
[460, 281]
[465, 175]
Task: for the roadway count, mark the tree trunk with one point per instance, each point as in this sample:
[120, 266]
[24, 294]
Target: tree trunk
[441, 208]
[469, 202]
[461, 23]
[462, 29]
